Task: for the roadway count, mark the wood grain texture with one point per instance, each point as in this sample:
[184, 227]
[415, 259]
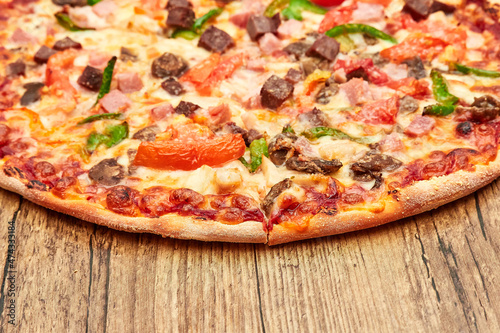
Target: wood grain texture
[437, 271]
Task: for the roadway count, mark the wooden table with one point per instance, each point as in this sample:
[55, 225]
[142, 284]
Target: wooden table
[436, 272]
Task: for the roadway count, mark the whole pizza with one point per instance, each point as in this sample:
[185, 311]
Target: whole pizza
[248, 121]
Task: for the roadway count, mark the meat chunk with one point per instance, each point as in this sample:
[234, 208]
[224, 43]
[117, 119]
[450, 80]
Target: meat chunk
[297, 49]
[420, 8]
[43, 54]
[358, 73]
[178, 3]
[127, 55]
[373, 161]
[315, 118]
[326, 93]
[313, 165]
[172, 86]
[293, 76]
[259, 25]
[464, 128]
[273, 194]
[115, 101]
[107, 172]
[72, 3]
[121, 200]
[281, 147]
[147, 133]
[408, 104]
[91, 78]
[215, 40]
[275, 91]
[421, 125]
[66, 43]
[357, 91]
[269, 43]
[17, 68]
[416, 68]
[168, 65]
[324, 47]
[186, 108]
[483, 109]
[32, 93]
[4, 134]
[129, 82]
[182, 17]
[252, 135]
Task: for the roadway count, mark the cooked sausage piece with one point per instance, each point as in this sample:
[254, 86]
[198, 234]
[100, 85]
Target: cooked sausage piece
[172, 86]
[315, 117]
[91, 78]
[186, 108]
[408, 104]
[17, 68]
[127, 55]
[66, 43]
[297, 49]
[315, 165]
[258, 25]
[182, 17]
[147, 133]
[178, 3]
[483, 109]
[274, 192]
[32, 93]
[293, 76]
[324, 47]
[107, 172]
[416, 68]
[281, 147]
[168, 65]
[275, 91]
[215, 40]
[72, 3]
[43, 54]
[420, 8]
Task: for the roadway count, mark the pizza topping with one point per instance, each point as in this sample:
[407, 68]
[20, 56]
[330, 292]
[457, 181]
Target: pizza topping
[129, 82]
[63, 185]
[168, 65]
[297, 49]
[324, 47]
[315, 118]
[127, 55]
[416, 68]
[121, 200]
[115, 101]
[464, 128]
[351, 28]
[312, 165]
[215, 40]
[420, 9]
[382, 111]
[66, 43]
[275, 91]
[107, 76]
[293, 76]
[72, 3]
[440, 89]
[476, 71]
[17, 68]
[101, 116]
[281, 147]
[172, 86]
[257, 149]
[32, 93]
[295, 8]
[113, 135]
[107, 172]
[325, 94]
[4, 134]
[259, 25]
[274, 192]
[182, 17]
[420, 126]
[269, 43]
[438, 110]
[65, 21]
[147, 133]
[408, 104]
[423, 45]
[197, 26]
[43, 54]
[318, 132]
[370, 166]
[178, 3]
[483, 109]
[91, 78]
[186, 108]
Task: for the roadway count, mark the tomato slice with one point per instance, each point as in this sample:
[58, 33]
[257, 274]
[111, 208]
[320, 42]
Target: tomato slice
[336, 17]
[380, 112]
[424, 45]
[191, 147]
[222, 71]
[199, 73]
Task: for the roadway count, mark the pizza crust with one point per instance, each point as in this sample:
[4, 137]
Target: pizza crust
[420, 197]
[182, 227]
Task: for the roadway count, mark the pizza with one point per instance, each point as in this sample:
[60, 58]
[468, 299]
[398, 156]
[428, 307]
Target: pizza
[248, 121]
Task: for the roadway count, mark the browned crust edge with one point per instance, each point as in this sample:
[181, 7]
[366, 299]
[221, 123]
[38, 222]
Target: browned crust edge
[420, 197]
[182, 227]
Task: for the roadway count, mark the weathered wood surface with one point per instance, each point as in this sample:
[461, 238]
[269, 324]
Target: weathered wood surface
[436, 272]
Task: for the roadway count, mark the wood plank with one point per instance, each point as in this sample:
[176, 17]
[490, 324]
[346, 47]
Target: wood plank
[433, 272]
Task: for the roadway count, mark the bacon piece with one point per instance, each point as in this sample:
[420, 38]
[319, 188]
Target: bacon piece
[129, 82]
[357, 91]
[420, 126]
[115, 101]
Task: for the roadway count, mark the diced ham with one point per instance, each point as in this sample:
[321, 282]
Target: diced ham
[367, 12]
[289, 28]
[129, 82]
[391, 143]
[253, 103]
[22, 37]
[240, 20]
[357, 91]
[99, 60]
[219, 114]
[256, 64]
[303, 146]
[421, 125]
[255, 6]
[104, 8]
[115, 101]
[395, 71]
[161, 111]
[379, 112]
[269, 43]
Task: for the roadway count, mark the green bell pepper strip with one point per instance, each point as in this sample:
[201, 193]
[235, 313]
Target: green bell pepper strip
[94, 140]
[275, 7]
[96, 117]
[318, 132]
[197, 27]
[288, 129]
[440, 89]
[352, 28]
[296, 7]
[106, 79]
[476, 71]
[257, 149]
[114, 134]
[65, 21]
[93, 2]
[438, 110]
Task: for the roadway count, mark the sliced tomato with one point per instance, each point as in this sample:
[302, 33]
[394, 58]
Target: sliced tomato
[199, 73]
[191, 147]
[336, 17]
[380, 112]
[424, 45]
[375, 75]
[222, 71]
[410, 86]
